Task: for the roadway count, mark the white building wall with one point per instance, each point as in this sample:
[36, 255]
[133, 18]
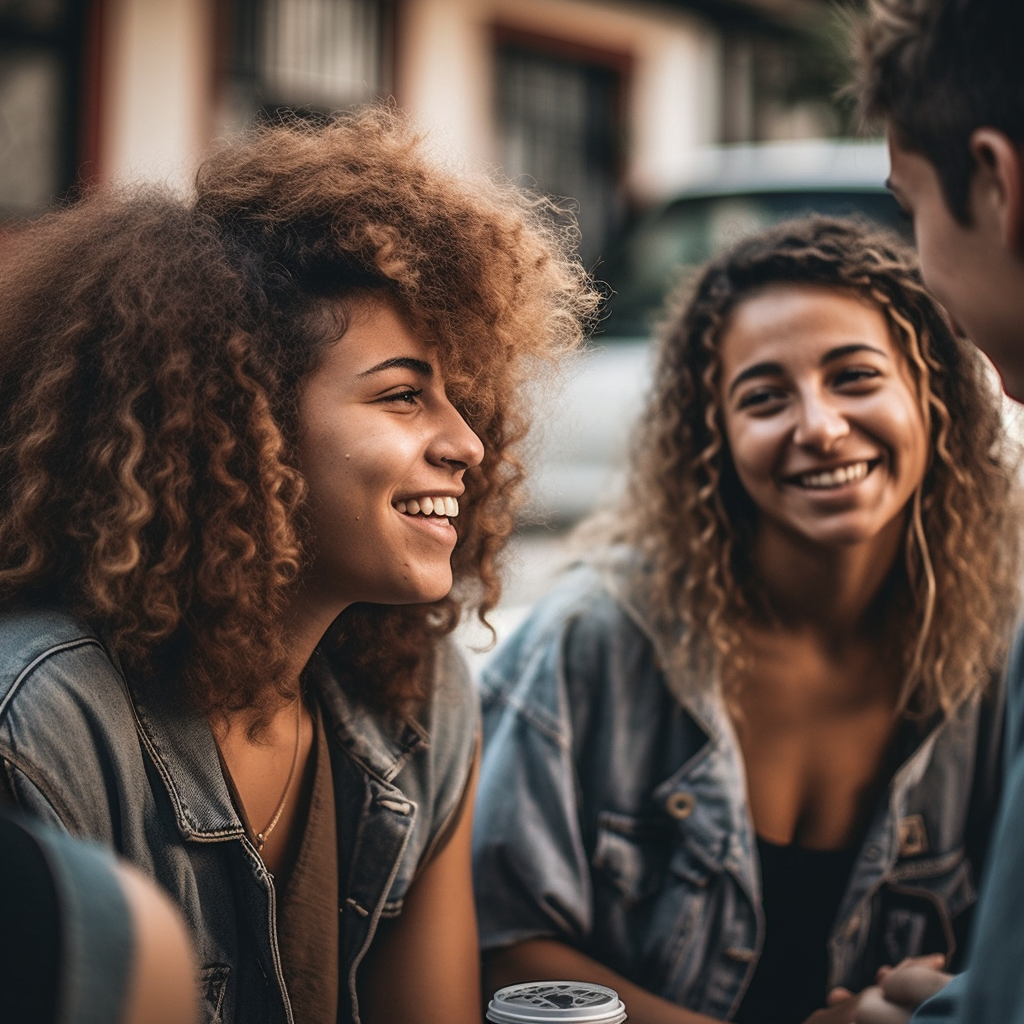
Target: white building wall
[446, 74]
[156, 81]
[158, 94]
[443, 77]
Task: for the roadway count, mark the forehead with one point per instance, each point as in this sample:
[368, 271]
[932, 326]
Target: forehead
[375, 330]
[793, 324]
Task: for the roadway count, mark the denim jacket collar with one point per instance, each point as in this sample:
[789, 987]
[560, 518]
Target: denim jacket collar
[722, 827]
[182, 746]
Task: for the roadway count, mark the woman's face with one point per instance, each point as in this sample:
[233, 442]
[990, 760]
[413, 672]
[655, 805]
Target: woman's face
[383, 452]
[821, 416]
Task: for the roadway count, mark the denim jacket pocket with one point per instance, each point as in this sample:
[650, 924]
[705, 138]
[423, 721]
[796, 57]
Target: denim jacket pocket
[213, 985]
[631, 853]
[922, 907]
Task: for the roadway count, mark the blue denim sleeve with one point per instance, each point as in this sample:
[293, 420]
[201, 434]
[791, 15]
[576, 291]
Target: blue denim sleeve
[530, 870]
[943, 1006]
[991, 990]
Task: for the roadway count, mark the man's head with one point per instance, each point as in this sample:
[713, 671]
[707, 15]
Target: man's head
[948, 78]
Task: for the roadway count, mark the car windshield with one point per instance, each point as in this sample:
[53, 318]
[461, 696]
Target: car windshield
[653, 256]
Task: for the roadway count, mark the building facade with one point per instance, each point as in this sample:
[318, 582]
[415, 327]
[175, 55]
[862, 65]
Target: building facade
[600, 102]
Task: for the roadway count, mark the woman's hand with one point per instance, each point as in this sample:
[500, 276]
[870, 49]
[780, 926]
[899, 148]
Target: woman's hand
[897, 993]
[902, 989]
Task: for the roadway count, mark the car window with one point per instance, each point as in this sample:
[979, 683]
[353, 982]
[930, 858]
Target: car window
[652, 257]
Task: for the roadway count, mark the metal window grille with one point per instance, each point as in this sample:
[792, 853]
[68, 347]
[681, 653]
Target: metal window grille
[316, 54]
[557, 125]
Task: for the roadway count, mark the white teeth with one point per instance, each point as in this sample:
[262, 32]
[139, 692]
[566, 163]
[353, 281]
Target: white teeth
[835, 477]
[441, 506]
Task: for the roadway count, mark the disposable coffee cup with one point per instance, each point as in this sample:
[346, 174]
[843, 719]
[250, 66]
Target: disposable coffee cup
[549, 1002]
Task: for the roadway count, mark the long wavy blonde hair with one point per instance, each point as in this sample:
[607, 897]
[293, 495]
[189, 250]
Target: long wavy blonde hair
[956, 586]
[151, 350]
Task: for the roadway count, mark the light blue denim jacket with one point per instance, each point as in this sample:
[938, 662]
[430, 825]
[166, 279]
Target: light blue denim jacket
[612, 810]
[129, 764]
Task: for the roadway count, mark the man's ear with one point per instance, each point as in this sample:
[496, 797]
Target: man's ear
[997, 189]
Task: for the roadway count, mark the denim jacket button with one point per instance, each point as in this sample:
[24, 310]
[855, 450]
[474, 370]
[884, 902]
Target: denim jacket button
[680, 805]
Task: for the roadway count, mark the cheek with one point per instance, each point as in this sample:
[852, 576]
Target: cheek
[910, 438]
[754, 448]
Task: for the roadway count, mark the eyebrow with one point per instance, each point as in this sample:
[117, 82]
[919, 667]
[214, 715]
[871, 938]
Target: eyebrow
[418, 366]
[774, 369]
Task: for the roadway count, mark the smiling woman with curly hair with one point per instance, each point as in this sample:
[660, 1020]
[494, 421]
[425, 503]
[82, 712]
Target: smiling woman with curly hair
[747, 751]
[258, 455]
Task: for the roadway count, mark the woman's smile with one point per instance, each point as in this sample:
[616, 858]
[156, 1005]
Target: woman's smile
[433, 513]
[833, 478]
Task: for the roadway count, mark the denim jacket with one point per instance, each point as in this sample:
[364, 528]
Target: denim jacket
[612, 810]
[129, 764]
[991, 989]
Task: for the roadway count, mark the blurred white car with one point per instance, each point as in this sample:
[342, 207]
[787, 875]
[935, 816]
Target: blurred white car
[583, 430]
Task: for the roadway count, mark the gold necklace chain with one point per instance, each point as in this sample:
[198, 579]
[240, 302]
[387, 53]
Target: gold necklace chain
[262, 837]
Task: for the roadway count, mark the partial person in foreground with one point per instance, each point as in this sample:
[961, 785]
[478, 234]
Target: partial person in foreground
[947, 77]
[84, 938]
[258, 456]
[746, 751]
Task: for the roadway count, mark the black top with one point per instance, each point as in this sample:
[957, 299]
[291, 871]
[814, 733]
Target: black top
[801, 892]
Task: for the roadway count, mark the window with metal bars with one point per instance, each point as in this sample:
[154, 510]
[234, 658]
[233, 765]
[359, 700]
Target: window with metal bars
[560, 130]
[309, 55]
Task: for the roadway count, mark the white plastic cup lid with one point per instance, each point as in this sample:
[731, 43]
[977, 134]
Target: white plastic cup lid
[547, 1002]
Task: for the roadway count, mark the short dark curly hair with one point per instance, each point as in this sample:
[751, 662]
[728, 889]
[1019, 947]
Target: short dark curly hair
[151, 350]
[689, 514]
[939, 69]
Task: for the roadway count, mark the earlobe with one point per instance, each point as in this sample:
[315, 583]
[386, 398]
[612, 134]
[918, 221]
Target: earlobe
[997, 193]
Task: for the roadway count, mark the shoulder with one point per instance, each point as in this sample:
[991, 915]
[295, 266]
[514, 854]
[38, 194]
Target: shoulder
[56, 889]
[583, 614]
[450, 724]
[35, 640]
[64, 711]
[585, 644]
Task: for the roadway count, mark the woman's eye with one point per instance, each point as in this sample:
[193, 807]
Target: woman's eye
[855, 375]
[760, 400]
[407, 397]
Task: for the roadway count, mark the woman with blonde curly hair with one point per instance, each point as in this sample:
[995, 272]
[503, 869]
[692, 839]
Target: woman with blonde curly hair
[258, 456]
[747, 748]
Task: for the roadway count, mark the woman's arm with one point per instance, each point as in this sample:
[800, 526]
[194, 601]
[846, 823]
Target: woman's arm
[425, 965]
[550, 960]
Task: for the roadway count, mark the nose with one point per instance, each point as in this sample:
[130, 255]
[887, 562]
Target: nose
[456, 443]
[821, 424]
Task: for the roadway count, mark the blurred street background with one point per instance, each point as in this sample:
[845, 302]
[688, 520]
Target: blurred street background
[667, 127]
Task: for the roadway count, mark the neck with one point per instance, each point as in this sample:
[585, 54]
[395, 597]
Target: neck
[306, 623]
[833, 589]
